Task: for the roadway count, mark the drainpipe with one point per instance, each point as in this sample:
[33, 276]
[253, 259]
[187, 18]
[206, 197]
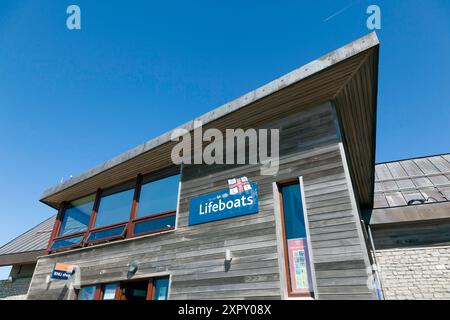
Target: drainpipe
[375, 266]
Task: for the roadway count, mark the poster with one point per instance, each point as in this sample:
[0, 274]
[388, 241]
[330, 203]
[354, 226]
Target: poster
[299, 265]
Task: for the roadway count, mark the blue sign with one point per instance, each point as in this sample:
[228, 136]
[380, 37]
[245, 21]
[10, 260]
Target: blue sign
[62, 271]
[223, 204]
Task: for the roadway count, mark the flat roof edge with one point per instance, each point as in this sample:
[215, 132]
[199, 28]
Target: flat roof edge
[358, 46]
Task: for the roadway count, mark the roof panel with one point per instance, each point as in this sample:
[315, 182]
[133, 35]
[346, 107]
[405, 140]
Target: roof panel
[426, 166]
[440, 163]
[422, 178]
[411, 168]
[32, 240]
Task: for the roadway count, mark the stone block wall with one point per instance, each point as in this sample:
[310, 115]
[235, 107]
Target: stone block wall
[415, 273]
[19, 287]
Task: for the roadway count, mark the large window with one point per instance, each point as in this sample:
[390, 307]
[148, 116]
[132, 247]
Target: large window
[142, 206]
[158, 196]
[77, 215]
[157, 205]
[295, 241]
[115, 205]
[71, 229]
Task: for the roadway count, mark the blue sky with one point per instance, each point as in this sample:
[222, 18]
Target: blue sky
[73, 99]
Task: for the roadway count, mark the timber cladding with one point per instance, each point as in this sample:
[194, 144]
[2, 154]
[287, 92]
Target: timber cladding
[194, 255]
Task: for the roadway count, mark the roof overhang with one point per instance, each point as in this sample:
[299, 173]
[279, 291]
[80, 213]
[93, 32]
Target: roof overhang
[347, 76]
[20, 258]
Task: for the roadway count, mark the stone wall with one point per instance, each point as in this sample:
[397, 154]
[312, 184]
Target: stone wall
[18, 287]
[415, 273]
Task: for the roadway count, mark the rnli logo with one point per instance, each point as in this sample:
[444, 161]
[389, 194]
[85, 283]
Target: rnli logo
[239, 185]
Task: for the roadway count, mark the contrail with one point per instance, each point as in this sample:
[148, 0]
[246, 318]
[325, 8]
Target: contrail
[340, 11]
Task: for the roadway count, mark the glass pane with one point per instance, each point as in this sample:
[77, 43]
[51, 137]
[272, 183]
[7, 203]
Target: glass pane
[76, 215]
[136, 290]
[161, 288]
[109, 291]
[154, 225]
[97, 235]
[293, 212]
[114, 208]
[87, 293]
[158, 196]
[66, 242]
[296, 240]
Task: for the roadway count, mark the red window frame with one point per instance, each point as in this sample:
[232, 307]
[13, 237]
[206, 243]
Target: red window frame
[134, 219]
[128, 231]
[73, 235]
[148, 218]
[100, 288]
[106, 239]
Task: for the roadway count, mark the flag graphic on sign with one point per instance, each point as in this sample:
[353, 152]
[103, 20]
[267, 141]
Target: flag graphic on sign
[238, 185]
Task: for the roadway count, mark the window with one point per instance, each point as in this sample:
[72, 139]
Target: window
[109, 291]
[158, 196]
[161, 288]
[115, 206]
[295, 241]
[66, 242]
[87, 293]
[157, 205]
[77, 215]
[113, 214]
[142, 289]
[154, 225]
[106, 233]
[143, 206]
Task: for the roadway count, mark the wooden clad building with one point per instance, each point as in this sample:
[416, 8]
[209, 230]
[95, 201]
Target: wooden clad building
[325, 112]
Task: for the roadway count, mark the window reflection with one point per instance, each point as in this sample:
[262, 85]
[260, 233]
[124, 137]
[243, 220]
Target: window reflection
[158, 196]
[87, 293]
[154, 225]
[115, 206]
[107, 233]
[76, 215]
[109, 291]
[161, 288]
[66, 242]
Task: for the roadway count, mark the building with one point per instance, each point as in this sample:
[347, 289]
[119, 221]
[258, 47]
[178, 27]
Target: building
[410, 225]
[135, 228]
[409, 228]
[141, 227]
[22, 254]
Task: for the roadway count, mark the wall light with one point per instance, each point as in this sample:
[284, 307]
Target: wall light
[132, 267]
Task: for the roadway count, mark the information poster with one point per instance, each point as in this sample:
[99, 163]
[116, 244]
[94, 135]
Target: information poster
[299, 265]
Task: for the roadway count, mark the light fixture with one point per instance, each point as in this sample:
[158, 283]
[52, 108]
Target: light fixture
[132, 267]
